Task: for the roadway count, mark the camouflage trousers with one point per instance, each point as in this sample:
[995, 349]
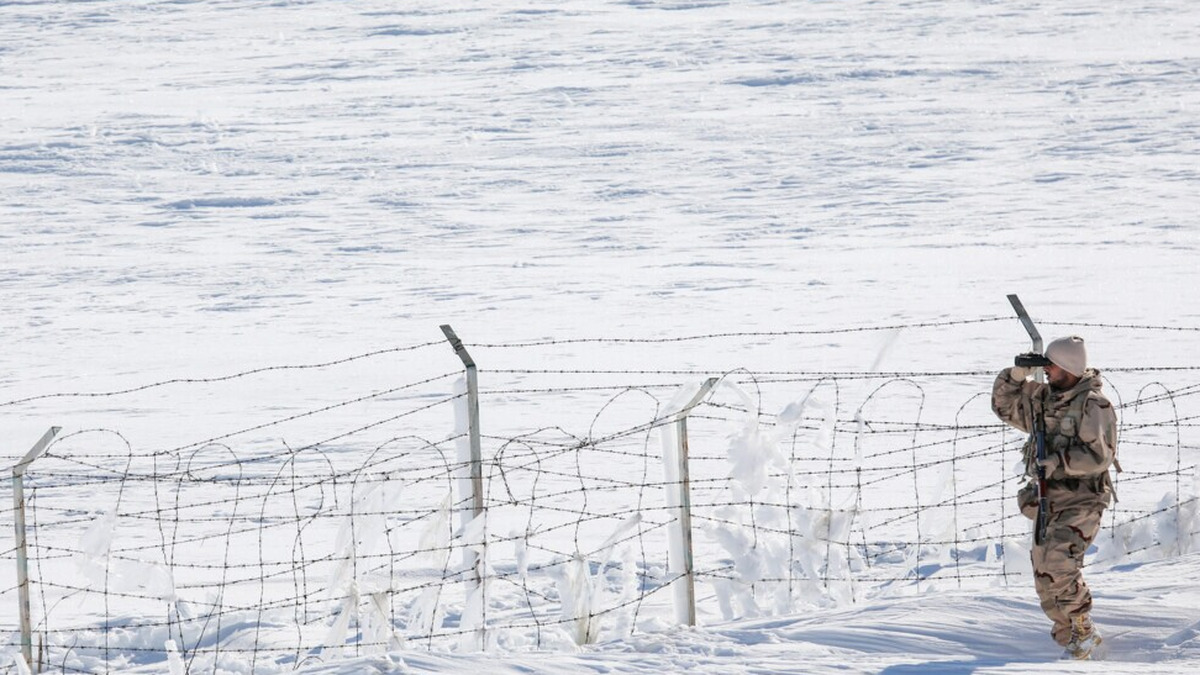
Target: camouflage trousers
[1058, 567]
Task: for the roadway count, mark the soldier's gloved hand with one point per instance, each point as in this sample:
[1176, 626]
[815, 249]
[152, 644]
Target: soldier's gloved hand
[1051, 462]
[1019, 373]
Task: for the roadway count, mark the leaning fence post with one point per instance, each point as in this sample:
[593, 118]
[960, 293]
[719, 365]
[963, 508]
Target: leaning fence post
[473, 561]
[18, 472]
[683, 499]
[1034, 336]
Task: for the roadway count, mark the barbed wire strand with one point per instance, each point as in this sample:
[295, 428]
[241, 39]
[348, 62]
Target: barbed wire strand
[222, 378]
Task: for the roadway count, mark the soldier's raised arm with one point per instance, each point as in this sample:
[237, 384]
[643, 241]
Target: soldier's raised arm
[1011, 397]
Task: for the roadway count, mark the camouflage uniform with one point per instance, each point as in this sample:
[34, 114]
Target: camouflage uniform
[1081, 444]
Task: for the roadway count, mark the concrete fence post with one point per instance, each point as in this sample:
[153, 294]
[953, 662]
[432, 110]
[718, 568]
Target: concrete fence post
[683, 501]
[21, 544]
[475, 465]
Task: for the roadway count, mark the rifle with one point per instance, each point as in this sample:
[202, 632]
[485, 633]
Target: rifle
[1035, 360]
[1039, 435]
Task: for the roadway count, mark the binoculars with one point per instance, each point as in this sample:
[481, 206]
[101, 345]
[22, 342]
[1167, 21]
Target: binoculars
[1031, 360]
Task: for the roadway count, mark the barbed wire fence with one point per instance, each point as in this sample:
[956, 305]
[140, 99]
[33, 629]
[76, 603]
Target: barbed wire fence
[238, 550]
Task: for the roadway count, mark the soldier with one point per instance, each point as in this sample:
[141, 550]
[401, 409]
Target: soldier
[1081, 444]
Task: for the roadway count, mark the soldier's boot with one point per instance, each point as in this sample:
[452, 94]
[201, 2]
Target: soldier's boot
[1084, 638]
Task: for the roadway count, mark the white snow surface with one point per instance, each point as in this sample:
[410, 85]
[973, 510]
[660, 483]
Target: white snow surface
[191, 190]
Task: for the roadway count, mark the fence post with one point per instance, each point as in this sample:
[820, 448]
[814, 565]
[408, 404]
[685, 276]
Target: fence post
[1034, 336]
[473, 561]
[18, 472]
[685, 501]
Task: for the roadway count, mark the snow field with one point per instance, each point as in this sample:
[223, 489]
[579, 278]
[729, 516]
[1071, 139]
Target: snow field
[193, 189]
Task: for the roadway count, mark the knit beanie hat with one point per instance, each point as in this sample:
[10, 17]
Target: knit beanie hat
[1069, 354]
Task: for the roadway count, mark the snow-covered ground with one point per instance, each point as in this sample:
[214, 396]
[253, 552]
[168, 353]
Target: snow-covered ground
[941, 634]
[192, 190]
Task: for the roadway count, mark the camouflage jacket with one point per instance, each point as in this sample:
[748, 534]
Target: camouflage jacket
[1081, 433]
